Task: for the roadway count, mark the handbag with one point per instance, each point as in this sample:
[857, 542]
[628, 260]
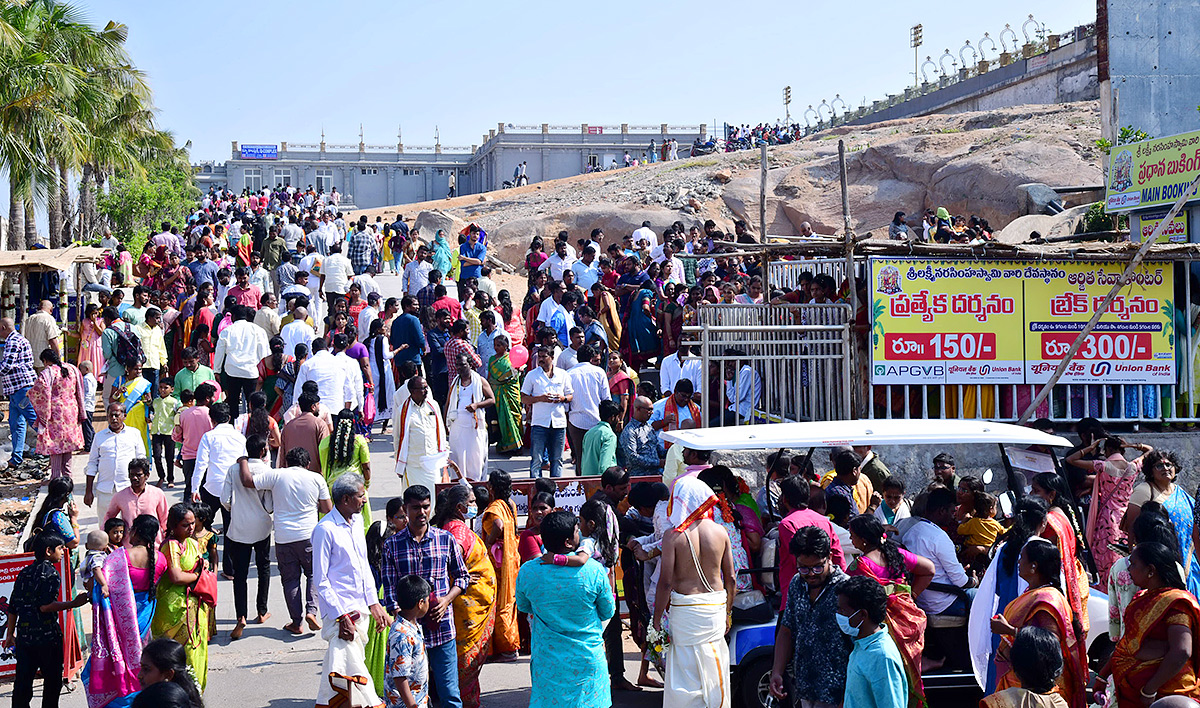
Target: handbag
[370, 409]
[205, 587]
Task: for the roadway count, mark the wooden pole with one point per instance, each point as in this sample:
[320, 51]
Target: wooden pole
[850, 278]
[762, 196]
[1103, 308]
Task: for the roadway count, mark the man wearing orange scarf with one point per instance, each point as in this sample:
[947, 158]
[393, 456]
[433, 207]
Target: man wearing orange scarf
[678, 410]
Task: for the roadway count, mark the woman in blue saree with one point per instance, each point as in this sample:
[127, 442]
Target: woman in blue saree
[643, 326]
[1161, 468]
[134, 392]
[443, 259]
[121, 621]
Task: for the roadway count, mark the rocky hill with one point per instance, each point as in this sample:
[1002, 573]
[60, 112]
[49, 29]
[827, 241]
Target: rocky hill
[970, 163]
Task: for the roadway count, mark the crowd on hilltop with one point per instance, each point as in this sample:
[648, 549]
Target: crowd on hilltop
[938, 226]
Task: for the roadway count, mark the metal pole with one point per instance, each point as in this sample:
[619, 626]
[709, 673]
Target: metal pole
[1103, 308]
[762, 196]
[851, 386]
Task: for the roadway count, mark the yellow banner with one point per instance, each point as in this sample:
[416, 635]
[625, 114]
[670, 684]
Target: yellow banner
[1152, 172]
[940, 322]
[1134, 341]
[1174, 232]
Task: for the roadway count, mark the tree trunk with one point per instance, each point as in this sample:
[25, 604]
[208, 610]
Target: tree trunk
[54, 209]
[16, 217]
[31, 235]
[87, 205]
[67, 233]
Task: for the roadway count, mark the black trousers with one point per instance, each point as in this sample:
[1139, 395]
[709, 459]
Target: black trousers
[614, 650]
[215, 504]
[164, 446]
[189, 468]
[234, 389]
[47, 658]
[89, 431]
[239, 555]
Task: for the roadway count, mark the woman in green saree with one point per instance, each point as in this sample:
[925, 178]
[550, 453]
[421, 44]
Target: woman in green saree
[181, 616]
[506, 384]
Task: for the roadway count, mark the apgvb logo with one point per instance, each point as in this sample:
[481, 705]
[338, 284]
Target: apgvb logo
[911, 370]
[1101, 368]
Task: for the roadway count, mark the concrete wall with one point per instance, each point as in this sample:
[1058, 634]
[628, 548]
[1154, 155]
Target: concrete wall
[1063, 75]
[1153, 64]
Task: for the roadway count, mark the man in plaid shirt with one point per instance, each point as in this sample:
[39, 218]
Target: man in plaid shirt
[361, 247]
[16, 378]
[457, 345]
[433, 554]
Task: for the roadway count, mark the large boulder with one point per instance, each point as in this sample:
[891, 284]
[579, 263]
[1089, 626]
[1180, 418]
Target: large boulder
[428, 222]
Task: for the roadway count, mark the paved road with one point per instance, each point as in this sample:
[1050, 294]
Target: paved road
[273, 669]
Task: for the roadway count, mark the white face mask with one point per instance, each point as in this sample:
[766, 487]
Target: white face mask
[847, 628]
[472, 511]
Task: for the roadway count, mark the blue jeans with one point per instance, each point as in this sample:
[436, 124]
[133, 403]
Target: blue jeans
[959, 608]
[20, 416]
[546, 440]
[443, 673]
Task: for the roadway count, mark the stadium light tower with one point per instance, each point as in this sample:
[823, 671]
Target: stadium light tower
[914, 40]
[787, 102]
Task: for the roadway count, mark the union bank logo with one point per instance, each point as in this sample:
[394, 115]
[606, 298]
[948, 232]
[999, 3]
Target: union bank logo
[1101, 368]
[985, 370]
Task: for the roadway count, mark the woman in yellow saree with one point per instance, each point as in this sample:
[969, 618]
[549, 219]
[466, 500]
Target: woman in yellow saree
[178, 615]
[1159, 653]
[475, 608]
[1044, 606]
[500, 528]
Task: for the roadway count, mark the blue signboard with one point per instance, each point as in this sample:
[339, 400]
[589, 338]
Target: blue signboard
[260, 152]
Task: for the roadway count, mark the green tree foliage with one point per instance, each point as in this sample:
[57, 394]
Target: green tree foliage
[136, 205]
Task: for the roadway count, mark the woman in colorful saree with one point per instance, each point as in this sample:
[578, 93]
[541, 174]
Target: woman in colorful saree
[179, 615]
[500, 530]
[1110, 496]
[1043, 605]
[506, 386]
[121, 621]
[1161, 469]
[1159, 653]
[134, 394]
[475, 608]
[1064, 530]
[903, 576]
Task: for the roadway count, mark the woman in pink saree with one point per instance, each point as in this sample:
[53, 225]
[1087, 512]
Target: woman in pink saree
[121, 621]
[1113, 486]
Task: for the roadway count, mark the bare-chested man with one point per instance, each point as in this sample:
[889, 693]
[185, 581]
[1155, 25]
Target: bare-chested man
[697, 584]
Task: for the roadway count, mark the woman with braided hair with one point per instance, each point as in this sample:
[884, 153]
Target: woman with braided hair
[1064, 530]
[344, 450]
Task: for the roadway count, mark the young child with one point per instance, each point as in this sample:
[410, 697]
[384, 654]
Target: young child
[186, 400]
[205, 536]
[980, 531]
[483, 497]
[91, 571]
[407, 671]
[166, 408]
[90, 385]
[894, 507]
[33, 613]
[115, 528]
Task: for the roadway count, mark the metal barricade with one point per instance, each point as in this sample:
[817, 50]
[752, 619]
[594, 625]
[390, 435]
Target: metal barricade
[774, 363]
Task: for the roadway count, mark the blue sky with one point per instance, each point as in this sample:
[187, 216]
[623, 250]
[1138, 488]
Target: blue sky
[264, 72]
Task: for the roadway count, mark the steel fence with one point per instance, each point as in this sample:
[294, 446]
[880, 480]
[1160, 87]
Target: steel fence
[773, 363]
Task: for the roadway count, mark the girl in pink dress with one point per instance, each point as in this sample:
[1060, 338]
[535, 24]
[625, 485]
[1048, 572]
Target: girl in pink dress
[90, 331]
[1113, 486]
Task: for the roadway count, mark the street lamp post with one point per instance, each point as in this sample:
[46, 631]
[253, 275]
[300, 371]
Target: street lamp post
[787, 102]
[915, 35]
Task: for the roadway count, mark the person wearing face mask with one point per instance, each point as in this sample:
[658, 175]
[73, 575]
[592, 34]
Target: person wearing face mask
[875, 672]
[475, 608]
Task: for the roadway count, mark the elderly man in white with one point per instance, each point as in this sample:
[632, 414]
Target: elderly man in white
[113, 449]
[347, 597]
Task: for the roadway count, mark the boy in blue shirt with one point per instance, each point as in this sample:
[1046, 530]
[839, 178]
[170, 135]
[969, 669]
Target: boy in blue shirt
[407, 670]
[875, 675]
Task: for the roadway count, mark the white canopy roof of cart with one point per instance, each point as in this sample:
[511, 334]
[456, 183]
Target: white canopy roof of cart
[861, 432]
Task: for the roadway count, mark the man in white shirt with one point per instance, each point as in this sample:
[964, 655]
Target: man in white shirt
[553, 304]
[298, 331]
[645, 233]
[557, 263]
[240, 348]
[368, 314]
[299, 496]
[249, 531]
[743, 388]
[416, 274]
[330, 376]
[587, 270]
[924, 536]
[218, 450]
[107, 468]
[570, 356]
[548, 390]
[337, 272]
[292, 233]
[313, 264]
[680, 364]
[346, 595]
[354, 372]
[367, 283]
[589, 386]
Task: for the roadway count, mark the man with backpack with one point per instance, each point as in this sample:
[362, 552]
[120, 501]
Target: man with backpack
[120, 347]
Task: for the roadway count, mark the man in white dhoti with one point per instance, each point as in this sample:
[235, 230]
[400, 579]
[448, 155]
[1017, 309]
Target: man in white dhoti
[469, 395]
[696, 587]
[347, 598]
[420, 437]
